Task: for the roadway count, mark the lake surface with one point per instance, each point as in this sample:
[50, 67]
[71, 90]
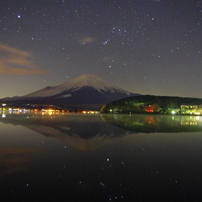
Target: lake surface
[73, 157]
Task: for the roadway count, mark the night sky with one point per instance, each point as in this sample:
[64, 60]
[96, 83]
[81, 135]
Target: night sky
[143, 46]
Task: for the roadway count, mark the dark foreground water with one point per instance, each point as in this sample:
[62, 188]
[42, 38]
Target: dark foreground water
[75, 157]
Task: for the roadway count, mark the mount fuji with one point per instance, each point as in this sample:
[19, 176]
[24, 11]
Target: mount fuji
[84, 92]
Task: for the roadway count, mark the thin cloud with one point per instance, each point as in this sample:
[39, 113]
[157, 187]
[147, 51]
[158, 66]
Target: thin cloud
[87, 40]
[14, 61]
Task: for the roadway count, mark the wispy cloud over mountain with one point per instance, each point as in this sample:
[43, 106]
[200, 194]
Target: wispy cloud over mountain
[14, 61]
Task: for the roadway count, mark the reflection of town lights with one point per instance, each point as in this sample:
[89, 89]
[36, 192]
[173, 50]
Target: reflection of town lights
[3, 115]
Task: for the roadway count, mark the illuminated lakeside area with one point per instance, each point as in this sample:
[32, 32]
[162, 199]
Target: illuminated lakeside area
[141, 104]
[39, 108]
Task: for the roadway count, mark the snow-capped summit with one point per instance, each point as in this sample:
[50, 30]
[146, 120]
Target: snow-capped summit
[84, 92]
[86, 80]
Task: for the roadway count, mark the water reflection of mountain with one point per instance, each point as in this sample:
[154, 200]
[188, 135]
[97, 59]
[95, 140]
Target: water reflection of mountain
[86, 132]
[80, 131]
[155, 123]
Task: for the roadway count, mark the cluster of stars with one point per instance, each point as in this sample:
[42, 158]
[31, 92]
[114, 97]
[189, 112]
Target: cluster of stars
[143, 39]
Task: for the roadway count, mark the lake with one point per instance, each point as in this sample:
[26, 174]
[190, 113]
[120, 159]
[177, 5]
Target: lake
[104, 157]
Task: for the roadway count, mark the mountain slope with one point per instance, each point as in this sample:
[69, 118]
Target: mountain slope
[82, 81]
[84, 92]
